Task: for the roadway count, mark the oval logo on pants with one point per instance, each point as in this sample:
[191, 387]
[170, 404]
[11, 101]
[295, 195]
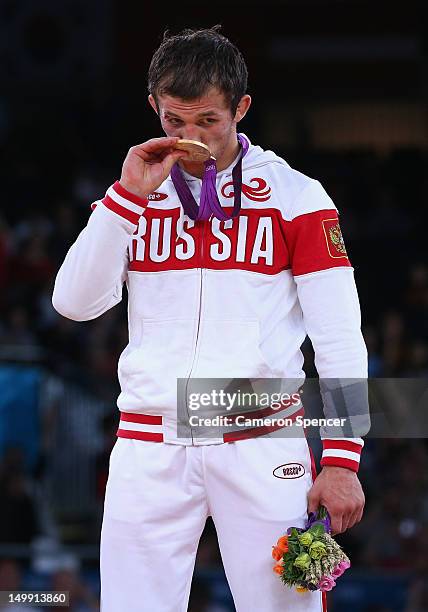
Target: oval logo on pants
[289, 470]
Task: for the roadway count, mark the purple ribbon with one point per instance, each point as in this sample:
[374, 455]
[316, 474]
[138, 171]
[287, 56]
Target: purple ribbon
[321, 517]
[315, 519]
[210, 204]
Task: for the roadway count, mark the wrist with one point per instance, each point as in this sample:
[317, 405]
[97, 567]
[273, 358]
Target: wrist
[132, 189]
[337, 468]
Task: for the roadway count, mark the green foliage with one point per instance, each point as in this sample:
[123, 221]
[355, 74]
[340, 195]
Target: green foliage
[317, 531]
[291, 575]
[322, 512]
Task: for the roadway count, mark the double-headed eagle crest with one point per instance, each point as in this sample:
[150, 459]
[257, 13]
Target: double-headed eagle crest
[337, 238]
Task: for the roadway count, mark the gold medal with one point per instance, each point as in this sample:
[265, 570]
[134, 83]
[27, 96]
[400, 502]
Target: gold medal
[197, 151]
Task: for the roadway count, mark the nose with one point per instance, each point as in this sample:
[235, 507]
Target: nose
[190, 132]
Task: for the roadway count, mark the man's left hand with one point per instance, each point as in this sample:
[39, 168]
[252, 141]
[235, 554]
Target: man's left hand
[340, 491]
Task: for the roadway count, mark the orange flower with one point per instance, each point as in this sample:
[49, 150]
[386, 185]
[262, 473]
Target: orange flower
[278, 568]
[282, 544]
[277, 553]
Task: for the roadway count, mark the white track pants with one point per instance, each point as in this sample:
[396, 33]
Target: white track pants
[158, 498]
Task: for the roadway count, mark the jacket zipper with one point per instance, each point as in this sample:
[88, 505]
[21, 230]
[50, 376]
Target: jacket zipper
[201, 269]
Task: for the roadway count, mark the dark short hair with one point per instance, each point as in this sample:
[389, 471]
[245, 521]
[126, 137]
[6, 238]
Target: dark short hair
[187, 64]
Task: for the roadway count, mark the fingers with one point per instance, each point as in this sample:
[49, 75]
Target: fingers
[356, 517]
[352, 520]
[353, 515]
[360, 514]
[155, 145]
[342, 521]
[341, 518]
[148, 164]
[336, 523]
[314, 498]
[157, 150]
[346, 522]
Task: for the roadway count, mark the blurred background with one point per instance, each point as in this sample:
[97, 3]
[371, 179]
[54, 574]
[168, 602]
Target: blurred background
[339, 90]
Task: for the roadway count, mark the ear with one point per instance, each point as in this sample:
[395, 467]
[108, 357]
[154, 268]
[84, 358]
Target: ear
[153, 104]
[243, 106]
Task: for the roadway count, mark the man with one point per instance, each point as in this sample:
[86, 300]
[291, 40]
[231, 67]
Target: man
[228, 293]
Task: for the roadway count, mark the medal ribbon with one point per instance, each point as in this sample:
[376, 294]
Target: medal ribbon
[210, 204]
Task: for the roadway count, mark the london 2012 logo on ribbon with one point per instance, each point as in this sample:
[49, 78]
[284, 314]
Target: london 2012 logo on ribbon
[260, 193]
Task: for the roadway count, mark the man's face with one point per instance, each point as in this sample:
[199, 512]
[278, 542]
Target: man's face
[207, 119]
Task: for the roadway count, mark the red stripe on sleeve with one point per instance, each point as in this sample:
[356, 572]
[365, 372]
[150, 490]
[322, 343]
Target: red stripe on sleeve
[129, 215]
[341, 462]
[342, 444]
[315, 242]
[128, 195]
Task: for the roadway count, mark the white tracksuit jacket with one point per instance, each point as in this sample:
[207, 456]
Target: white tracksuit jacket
[217, 298]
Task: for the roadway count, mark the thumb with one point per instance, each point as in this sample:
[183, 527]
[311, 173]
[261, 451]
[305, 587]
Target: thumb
[170, 160]
[314, 500]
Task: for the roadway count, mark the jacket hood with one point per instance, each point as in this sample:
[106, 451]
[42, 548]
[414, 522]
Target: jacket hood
[256, 156]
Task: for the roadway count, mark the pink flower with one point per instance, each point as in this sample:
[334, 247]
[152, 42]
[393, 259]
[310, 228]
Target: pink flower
[340, 569]
[344, 565]
[337, 572]
[326, 583]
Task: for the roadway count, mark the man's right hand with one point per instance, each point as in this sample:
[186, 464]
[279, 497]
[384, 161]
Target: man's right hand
[147, 165]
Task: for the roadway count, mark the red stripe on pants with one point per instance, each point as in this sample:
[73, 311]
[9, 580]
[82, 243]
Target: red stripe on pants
[314, 475]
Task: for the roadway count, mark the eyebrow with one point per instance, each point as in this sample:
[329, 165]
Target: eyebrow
[210, 113]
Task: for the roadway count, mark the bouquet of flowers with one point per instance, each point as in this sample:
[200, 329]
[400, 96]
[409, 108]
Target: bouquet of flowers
[310, 559]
